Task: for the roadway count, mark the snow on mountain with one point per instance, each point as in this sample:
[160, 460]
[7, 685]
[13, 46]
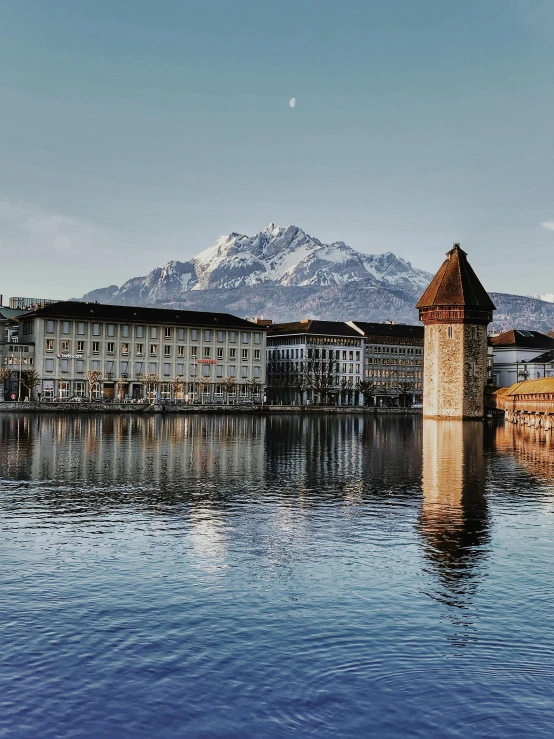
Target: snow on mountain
[276, 256]
[547, 298]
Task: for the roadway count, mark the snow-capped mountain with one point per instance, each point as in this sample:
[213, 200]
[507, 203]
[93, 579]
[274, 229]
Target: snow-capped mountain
[277, 256]
[547, 298]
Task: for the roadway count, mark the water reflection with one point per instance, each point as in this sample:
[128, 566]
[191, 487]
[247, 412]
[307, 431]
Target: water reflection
[454, 517]
[533, 448]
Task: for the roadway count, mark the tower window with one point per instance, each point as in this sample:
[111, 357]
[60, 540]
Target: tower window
[450, 332]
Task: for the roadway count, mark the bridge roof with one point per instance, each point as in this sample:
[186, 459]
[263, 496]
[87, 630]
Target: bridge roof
[456, 284]
[532, 387]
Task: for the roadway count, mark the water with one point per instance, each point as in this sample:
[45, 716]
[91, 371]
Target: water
[272, 577]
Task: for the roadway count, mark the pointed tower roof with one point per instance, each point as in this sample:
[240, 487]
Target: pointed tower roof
[456, 284]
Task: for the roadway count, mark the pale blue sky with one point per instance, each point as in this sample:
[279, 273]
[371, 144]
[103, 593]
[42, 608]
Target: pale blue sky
[137, 131]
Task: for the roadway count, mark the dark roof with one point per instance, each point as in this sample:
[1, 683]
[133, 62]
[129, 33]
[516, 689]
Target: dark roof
[318, 328]
[456, 284]
[544, 358]
[390, 329]
[7, 314]
[131, 314]
[523, 339]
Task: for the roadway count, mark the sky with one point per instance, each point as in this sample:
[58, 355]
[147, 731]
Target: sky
[133, 132]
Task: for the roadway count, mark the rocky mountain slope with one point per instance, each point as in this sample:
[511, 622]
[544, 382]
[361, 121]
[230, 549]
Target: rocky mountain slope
[285, 274]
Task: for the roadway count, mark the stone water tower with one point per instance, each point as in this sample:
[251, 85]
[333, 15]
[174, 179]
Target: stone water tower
[456, 311]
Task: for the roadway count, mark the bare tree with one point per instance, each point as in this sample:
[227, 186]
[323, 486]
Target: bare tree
[179, 385]
[255, 385]
[321, 376]
[151, 384]
[30, 379]
[229, 384]
[5, 377]
[366, 388]
[93, 377]
[405, 387]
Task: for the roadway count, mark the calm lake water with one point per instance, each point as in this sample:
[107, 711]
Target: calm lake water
[272, 577]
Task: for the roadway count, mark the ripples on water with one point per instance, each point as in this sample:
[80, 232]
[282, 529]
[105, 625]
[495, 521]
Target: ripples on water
[248, 577]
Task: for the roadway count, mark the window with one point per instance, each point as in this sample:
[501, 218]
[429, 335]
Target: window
[139, 332]
[180, 334]
[193, 370]
[63, 389]
[450, 332]
[109, 367]
[124, 369]
[49, 365]
[220, 352]
[49, 345]
[80, 366]
[139, 350]
[153, 350]
[65, 346]
[64, 365]
[257, 354]
[232, 371]
[50, 327]
[180, 351]
[256, 372]
[153, 332]
[110, 329]
[344, 355]
[233, 337]
[207, 335]
[245, 337]
[27, 327]
[138, 368]
[257, 338]
[232, 353]
[81, 330]
[167, 351]
[193, 351]
[96, 347]
[167, 332]
[207, 351]
[125, 348]
[244, 354]
[219, 370]
[152, 367]
[244, 372]
[125, 332]
[95, 364]
[110, 347]
[96, 329]
[167, 370]
[194, 334]
[220, 336]
[80, 347]
[79, 389]
[180, 369]
[206, 370]
[65, 327]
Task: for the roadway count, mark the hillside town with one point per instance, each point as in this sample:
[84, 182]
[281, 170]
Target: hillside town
[73, 351]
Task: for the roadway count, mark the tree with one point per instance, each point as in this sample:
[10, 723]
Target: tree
[255, 385]
[203, 383]
[405, 387]
[229, 384]
[366, 388]
[151, 384]
[93, 377]
[30, 379]
[179, 386]
[5, 377]
[321, 375]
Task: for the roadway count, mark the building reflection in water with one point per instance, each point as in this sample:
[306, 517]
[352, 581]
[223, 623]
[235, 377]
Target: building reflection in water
[532, 448]
[454, 519]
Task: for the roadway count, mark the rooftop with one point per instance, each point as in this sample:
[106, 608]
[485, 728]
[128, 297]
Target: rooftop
[456, 284]
[313, 328]
[136, 314]
[389, 329]
[523, 339]
[531, 387]
[543, 358]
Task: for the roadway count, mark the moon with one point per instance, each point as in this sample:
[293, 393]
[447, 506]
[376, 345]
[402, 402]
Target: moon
[292, 102]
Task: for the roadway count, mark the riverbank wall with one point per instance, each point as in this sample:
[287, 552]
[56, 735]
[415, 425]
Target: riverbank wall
[140, 408]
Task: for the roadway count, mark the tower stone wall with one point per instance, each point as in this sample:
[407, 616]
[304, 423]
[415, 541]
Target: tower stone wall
[455, 370]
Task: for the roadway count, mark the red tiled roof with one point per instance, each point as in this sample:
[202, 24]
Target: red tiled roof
[456, 284]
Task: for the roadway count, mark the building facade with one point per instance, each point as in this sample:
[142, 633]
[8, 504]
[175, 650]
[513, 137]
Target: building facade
[393, 363]
[138, 352]
[455, 310]
[521, 355]
[314, 362]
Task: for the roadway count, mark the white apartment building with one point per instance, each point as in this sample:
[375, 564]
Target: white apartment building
[213, 354]
[314, 361]
[521, 355]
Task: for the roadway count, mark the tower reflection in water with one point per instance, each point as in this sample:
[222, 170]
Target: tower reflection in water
[454, 518]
